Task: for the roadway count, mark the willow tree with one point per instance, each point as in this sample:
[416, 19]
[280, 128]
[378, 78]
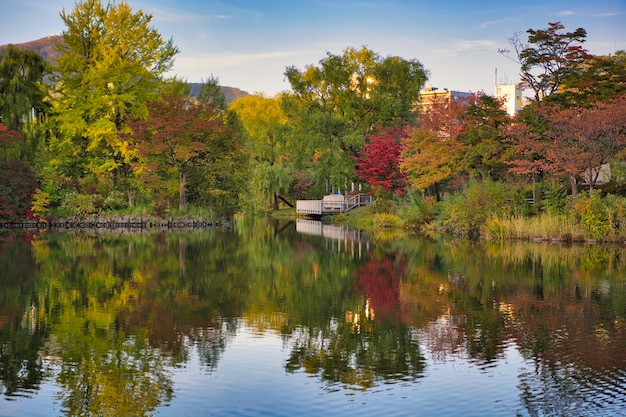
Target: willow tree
[264, 121]
[110, 66]
[22, 90]
[336, 105]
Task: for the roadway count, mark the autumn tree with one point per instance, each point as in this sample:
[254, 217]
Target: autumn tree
[430, 150]
[379, 164]
[9, 142]
[110, 66]
[548, 57]
[336, 105]
[455, 137]
[601, 78]
[17, 179]
[176, 138]
[572, 141]
[264, 122]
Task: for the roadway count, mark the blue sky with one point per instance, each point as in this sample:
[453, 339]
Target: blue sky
[249, 43]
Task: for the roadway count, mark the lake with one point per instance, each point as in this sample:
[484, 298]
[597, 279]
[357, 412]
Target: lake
[286, 318]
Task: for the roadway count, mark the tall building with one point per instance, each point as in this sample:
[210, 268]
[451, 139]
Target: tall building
[430, 94]
[512, 95]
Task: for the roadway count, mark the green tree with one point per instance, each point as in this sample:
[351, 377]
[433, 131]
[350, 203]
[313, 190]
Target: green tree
[335, 105]
[211, 93]
[601, 78]
[486, 121]
[110, 66]
[22, 90]
[264, 121]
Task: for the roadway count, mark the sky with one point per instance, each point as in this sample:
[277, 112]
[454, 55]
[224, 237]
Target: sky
[248, 44]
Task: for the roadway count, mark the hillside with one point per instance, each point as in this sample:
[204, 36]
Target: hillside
[46, 47]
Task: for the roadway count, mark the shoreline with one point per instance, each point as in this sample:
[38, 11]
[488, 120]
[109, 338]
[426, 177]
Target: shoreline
[116, 222]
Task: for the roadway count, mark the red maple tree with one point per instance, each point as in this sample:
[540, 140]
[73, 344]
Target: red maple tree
[379, 164]
[570, 141]
[176, 137]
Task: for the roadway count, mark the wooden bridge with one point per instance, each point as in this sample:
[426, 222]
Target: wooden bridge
[333, 204]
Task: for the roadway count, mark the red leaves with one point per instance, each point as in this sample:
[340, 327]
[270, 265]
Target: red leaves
[569, 141]
[379, 164]
[379, 280]
[8, 137]
[17, 186]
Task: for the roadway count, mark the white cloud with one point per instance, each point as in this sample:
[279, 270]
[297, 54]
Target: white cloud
[461, 46]
[497, 22]
[184, 17]
[565, 13]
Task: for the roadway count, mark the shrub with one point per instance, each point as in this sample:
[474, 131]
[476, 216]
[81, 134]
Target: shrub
[386, 220]
[593, 214]
[418, 211]
[616, 213]
[384, 205]
[80, 205]
[17, 186]
[554, 199]
[115, 201]
[466, 212]
[41, 201]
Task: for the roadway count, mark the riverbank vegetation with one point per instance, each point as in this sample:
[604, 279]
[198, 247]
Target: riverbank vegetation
[104, 131]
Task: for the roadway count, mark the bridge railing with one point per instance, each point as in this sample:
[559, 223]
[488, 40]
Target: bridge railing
[309, 206]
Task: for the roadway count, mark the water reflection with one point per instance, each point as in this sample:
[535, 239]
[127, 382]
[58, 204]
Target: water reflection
[107, 322]
[338, 238]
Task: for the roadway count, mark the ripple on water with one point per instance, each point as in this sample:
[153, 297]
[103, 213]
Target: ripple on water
[563, 390]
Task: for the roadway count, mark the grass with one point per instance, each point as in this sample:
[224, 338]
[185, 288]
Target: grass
[544, 226]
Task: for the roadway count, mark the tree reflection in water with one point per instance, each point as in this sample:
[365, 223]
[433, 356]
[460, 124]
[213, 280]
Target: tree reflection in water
[108, 319]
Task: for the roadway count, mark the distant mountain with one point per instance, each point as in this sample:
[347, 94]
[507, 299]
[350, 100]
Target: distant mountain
[47, 48]
[230, 93]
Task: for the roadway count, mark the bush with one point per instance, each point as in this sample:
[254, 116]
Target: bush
[17, 186]
[115, 201]
[418, 211]
[41, 201]
[466, 212]
[554, 199]
[387, 220]
[80, 205]
[616, 213]
[593, 214]
[384, 205]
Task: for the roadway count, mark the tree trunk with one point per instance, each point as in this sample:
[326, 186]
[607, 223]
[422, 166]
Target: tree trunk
[182, 187]
[281, 198]
[573, 185]
[275, 201]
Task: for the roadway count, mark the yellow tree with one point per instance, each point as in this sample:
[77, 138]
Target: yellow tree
[264, 121]
[110, 66]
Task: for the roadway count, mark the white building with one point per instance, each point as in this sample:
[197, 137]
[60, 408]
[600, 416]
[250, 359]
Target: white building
[512, 95]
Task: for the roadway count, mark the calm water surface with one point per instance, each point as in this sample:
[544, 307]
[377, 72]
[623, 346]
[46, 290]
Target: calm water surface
[284, 318]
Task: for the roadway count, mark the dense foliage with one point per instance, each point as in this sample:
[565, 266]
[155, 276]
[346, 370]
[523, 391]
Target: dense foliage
[113, 134]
